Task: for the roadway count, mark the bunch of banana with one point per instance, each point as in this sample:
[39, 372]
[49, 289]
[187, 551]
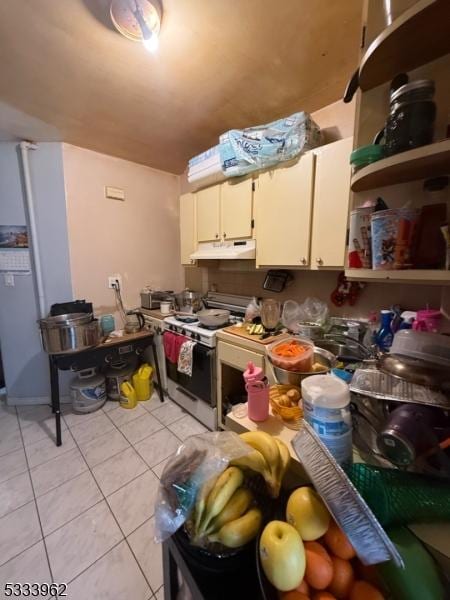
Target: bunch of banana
[270, 457]
[223, 511]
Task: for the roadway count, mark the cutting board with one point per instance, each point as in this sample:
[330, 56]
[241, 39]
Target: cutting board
[242, 332]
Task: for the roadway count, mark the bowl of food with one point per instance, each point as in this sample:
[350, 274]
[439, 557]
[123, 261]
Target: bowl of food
[292, 354]
[323, 361]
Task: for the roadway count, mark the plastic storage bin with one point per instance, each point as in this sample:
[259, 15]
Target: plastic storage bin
[281, 356]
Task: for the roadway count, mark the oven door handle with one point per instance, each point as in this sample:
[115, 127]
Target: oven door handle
[186, 393]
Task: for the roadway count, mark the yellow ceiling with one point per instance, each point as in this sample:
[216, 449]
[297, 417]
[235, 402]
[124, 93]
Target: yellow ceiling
[221, 64]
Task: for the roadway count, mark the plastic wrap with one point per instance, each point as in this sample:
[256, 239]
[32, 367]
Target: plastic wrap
[314, 311]
[252, 311]
[197, 460]
[243, 151]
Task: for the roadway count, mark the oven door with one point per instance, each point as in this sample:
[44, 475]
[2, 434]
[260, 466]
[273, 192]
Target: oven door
[202, 383]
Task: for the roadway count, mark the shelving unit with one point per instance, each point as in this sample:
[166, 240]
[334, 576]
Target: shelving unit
[417, 42]
[423, 276]
[418, 36]
[428, 161]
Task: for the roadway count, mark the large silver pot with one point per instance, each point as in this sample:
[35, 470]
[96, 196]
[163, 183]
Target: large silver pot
[189, 301]
[69, 333]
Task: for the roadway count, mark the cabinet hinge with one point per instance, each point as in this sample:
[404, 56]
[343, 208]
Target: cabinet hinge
[363, 36]
[253, 223]
[253, 186]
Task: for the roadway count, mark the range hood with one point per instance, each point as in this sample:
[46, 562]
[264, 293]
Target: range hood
[237, 249]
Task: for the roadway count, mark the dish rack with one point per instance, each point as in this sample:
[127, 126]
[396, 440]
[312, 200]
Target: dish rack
[382, 386]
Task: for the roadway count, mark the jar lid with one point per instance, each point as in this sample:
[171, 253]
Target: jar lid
[414, 86]
[367, 154]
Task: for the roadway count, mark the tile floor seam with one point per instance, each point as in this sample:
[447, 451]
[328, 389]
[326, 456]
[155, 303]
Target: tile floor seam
[72, 519]
[50, 459]
[95, 561]
[36, 506]
[116, 520]
[31, 545]
[147, 436]
[126, 423]
[16, 474]
[111, 456]
[136, 558]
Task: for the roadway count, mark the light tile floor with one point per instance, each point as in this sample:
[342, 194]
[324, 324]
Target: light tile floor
[82, 514]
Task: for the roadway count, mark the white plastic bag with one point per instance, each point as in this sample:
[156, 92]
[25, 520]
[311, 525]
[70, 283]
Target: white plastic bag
[200, 458]
[252, 311]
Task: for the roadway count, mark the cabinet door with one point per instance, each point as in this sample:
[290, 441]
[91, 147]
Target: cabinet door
[331, 201]
[283, 201]
[188, 241]
[208, 214]
[236, 209]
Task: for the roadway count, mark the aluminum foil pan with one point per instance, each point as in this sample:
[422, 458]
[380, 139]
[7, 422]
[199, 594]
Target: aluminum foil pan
[383, 386]
[343, 500]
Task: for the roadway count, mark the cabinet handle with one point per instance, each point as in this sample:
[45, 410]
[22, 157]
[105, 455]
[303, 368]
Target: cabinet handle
[319, 261]
[217, 235]
[192, 261]
[224, 235]
[303, 261]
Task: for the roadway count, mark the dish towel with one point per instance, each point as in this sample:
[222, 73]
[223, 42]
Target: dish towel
[172, 344]
[186, 357]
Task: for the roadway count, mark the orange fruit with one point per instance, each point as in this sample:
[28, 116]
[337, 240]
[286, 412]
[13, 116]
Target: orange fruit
[337, 542]
[323, 596]
[362, 590]
[343, 578]
[303, 588]
[294, 595]
[319, 568]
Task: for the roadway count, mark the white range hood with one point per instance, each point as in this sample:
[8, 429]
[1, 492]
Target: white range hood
[237, 249]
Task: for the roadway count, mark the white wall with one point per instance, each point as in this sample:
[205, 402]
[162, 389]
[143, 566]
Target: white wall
[25, 363]
[138, 238]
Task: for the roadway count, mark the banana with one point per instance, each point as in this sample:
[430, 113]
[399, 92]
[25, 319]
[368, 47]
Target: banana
[235, 508]
[285, 456]
[266, 444]
[254, 461]
[224, 488]
[201, 501]
[240, 531]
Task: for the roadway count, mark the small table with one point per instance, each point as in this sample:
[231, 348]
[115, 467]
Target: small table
[113, 348]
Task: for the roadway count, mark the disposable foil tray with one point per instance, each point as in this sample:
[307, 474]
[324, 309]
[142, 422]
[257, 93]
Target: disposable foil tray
[376, 384]
[343, 500]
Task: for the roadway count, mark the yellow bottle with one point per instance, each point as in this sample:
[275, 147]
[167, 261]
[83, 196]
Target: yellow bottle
[142, 382]
[128, 395]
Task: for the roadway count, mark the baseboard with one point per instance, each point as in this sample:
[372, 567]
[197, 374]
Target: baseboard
[34, 400]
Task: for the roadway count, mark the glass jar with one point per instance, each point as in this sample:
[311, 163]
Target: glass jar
[412, 115]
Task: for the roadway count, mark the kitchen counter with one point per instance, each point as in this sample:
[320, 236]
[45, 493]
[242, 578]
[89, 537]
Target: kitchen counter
[156, 314]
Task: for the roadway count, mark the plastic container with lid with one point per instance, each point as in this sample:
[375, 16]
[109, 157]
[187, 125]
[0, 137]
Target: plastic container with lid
[284, 354]
[326, 406]
[429, 347]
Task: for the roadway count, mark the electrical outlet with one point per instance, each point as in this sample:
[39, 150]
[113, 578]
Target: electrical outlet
[113, 279]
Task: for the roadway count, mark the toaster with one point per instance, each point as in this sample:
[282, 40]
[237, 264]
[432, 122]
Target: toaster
[151, 300]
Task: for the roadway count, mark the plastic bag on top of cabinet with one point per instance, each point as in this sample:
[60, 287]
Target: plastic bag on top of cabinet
[243, 151]
[200, 458]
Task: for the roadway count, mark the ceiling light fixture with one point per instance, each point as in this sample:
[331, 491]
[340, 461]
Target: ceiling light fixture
[138, 20]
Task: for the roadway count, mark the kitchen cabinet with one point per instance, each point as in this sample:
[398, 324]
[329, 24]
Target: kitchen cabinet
[208, 214]
[225, 211]
[283, 208]
[236, 209]
[188, 242]
[330, 204]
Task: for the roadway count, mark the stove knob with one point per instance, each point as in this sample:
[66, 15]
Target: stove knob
[183, 332]
[197, 336]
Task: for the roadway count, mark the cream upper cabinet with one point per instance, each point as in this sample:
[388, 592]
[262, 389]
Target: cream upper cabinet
[208, 214]
[331, 202]
[283, 205]
[188, 241]
[236, 210]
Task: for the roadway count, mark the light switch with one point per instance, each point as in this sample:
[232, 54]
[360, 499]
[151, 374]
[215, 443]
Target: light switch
[9, 280]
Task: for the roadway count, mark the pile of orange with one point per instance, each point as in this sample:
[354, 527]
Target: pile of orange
[333, 572]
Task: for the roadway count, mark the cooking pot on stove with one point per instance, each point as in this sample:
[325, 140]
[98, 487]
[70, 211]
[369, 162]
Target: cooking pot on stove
[189, 301]
[213, 317]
